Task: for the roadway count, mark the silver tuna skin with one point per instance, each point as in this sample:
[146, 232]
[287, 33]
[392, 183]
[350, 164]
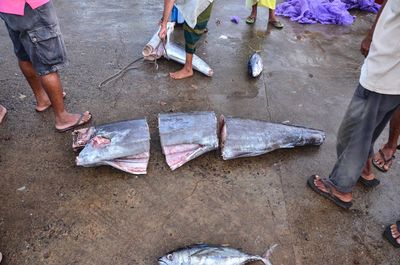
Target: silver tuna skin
[203, 254]
[255, 65]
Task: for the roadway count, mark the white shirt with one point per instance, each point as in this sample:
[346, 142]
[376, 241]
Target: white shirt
[191, 9]
[381, 70]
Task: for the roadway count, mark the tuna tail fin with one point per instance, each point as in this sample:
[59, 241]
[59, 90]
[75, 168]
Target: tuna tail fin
[267, 255]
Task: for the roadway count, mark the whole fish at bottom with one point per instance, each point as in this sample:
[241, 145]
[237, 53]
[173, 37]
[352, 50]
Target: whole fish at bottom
[255, 65]
[204, 254]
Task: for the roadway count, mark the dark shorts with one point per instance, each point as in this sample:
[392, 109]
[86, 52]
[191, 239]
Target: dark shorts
[37, 38]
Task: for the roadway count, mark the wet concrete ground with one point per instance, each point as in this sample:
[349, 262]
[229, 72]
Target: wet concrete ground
[71, 215]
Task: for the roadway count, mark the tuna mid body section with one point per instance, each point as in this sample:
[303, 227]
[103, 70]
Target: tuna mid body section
[124, 145]
[245, 137]
[185, 136]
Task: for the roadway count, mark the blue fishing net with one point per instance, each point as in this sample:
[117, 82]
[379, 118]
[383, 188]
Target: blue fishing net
[324, 11]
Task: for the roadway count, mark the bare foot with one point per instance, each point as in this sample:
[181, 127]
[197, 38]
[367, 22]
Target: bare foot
[383, 158]
[69, 121]
[395, 232]
[367, 172]
[181, 74]
[345, 197]
[3, 113]
[44, 103]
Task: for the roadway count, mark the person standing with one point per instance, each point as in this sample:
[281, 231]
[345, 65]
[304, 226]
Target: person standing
[39, 47]
[196, 14]
[375, 100]
[270, 4]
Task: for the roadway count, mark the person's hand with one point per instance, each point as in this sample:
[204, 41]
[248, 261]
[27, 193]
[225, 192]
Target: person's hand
[365, 45]
[163, 31]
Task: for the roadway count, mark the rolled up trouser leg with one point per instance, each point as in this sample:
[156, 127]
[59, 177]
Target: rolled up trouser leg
[192, 36]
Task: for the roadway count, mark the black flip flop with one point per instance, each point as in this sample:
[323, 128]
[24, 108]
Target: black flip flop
[388, 235]
[328, 195]
[385, 161]
[369, 183]
[77, 124]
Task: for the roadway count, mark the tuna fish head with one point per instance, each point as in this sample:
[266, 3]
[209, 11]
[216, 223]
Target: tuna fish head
[172, 258]
[255, 65]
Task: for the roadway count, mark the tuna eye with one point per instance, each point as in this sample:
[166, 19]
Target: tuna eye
[169, 256]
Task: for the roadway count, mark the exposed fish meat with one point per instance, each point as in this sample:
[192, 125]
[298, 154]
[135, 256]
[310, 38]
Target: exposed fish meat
[155, 49]
[244, 137]
[124, 145]
[204, 254]
[255, 65]
[185, 136]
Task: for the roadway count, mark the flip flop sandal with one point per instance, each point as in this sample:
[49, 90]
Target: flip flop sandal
[387, 234]
[385, 162]
[77, 124]
[369, 183]
[328, 195]
[251, 20]
[276, 24]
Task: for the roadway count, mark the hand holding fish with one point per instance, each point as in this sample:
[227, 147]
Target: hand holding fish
[163, 31]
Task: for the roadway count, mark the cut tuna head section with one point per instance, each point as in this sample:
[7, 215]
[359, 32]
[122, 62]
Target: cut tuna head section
[244, 137]
[124, 145]
[185, 136]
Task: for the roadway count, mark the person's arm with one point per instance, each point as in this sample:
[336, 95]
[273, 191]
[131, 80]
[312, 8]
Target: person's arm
[366, 42]
[168, 5]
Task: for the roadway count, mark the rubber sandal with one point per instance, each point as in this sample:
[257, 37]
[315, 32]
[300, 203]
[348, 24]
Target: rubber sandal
[77, 124]
[387, 234]
[328, 195]
[385, 162]
[369, 183]
[251, 20]
[48, 107]
[277, 24]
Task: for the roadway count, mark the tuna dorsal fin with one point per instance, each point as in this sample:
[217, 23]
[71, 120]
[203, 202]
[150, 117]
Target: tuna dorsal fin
[206, 252]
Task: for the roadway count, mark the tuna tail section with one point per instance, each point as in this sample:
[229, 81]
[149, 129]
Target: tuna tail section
[268, 254]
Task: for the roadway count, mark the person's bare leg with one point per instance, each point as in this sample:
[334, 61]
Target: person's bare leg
[390, 147]
[3, 112]
[186, 71]
[52, 85]
[42, 100]
[367, 172]
[253, 13]
[272, 16]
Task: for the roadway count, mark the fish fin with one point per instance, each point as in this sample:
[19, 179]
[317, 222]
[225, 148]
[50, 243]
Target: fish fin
[206, 252]
[267, 255]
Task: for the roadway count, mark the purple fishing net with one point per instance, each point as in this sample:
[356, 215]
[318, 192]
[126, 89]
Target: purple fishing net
[324, 11]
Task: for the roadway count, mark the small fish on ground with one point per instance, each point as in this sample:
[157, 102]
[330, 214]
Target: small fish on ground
[255, 65]
[204, 254]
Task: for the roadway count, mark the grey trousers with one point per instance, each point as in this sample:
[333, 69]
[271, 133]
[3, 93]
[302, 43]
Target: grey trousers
[365, 119]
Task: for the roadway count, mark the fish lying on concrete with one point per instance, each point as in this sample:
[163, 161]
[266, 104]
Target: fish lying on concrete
[185, 136]
[124, 145]
[244, 137]
[155, 49]
[255, 65]
[204, 254]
